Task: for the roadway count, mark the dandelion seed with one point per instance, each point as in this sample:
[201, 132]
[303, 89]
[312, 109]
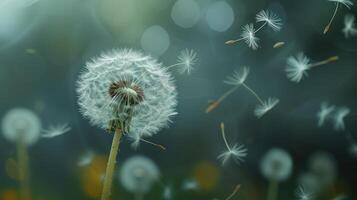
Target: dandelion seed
[56, 130]
[136, 139]
[190, 184]
[237, 152]
[278, 45]
[298, 66]
[346, 3]
[339, 116]
[302, 194]
[235, 191]
[186, 60]
[324, 113]
[349, 28]
[262, 109]
[270, 18]
[86, 159]
[249, 37]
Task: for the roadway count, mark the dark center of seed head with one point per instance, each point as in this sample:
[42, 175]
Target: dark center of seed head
[127, 92]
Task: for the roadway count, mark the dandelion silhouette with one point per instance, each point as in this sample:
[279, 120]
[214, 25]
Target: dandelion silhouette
[126, 92]
[349, 28]
[185, 61]
[23, 127]
[237, 152]
[138, 174]
[268, 18]
[298, 66]
[237, 80]
[346, 3]
[276, 166]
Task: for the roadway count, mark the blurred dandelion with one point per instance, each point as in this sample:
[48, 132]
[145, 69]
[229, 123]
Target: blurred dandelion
[56, 130]
[349, 28]
[276, 166]
[138, 174]
[190, 184]
[338, 118]
[346, 3]
[23, 127]
[237, 152]
[185, 61]
[310, 182]
[167, 193]
[126, 92]
[323, 165]
[236, 80]
[298, 66]
[86, 159]
[248, 34]
[324, 113]
[302, 194]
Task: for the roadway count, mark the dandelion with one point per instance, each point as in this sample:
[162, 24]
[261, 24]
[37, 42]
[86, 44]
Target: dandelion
[23, 127]
[323, 165]
[56, 130]
[249, 33]
[237, 152]
[276, 166]
[324, 113]
[269, 18]
[266, 106]
[126, 92]
[236, 80]
[302, 194]
[310, 182]
[346, 3]
[349, 28]
[338, 118]
[185, 61]
[138, 174]
[298, 66]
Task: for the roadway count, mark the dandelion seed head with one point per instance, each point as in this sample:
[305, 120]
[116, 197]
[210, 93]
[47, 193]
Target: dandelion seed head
[349, 28]
[188, 58]
[323, 165]
[21, 123]
[56, 130]
[324, 113]
[237, 153]
[272, 19]
[276, 165]
[302, 194]
[129, 90]
[262, 109]
[249, 36]
[297, 67]
[347, 3]
[138, 174]
[238, 77]
[338, 118]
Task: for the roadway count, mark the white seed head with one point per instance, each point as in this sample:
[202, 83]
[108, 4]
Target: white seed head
[262, 109]
[238, 77]
[323, 165]
[138, 174]
[349, 28]
[297, 67]
[237, 153]
[249, 37]
[187, 59]
[347, 3]
[127, 88]
[338, 118]
[56, 130]
[276, 165]
[272, 19]
[324, 113]
[21, 123]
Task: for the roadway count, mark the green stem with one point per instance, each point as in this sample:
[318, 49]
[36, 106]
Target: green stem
[22, 160]
[273, 190]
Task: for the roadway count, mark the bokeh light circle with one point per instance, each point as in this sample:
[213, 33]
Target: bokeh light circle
[155, 40]
[220, 16]
[185, 13]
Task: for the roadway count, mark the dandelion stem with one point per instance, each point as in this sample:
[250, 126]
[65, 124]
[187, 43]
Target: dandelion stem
[224, 136]
[139, 196]
[328, 60]
[331, 20]
[273, 190]
[254, 93]
[22, 157]
[108, 179]
[236, 189]
[260, 27]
